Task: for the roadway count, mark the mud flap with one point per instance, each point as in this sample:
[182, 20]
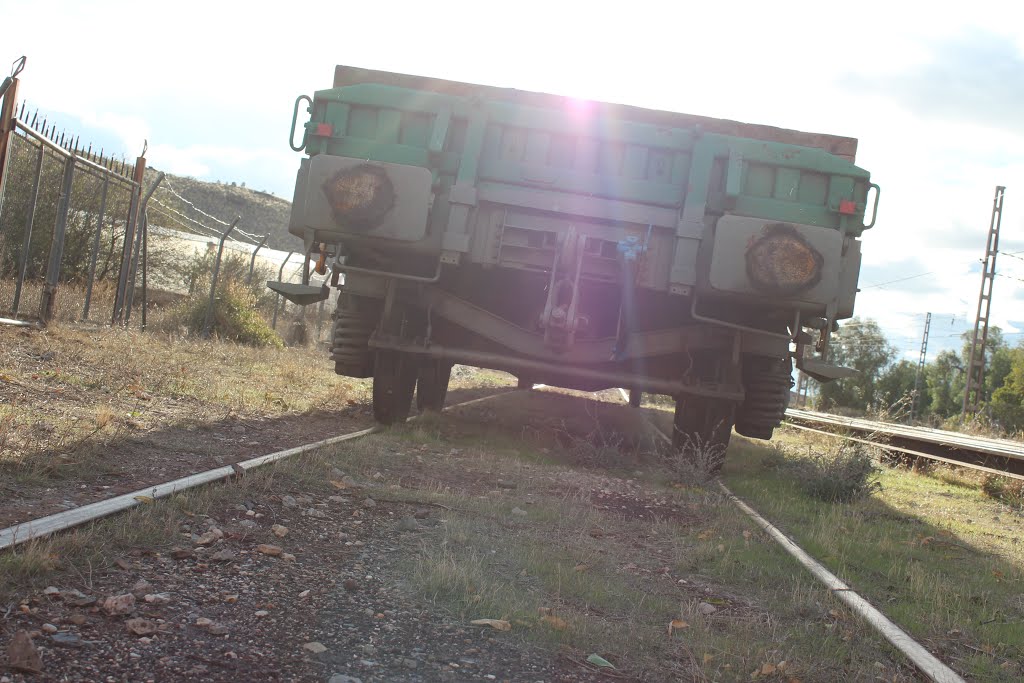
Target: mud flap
[301, 295]
[824, 372]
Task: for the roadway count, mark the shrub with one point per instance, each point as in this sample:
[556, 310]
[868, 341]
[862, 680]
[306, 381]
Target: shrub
[240, 307]
[843, 475]
[234, 317]
[1009, 491]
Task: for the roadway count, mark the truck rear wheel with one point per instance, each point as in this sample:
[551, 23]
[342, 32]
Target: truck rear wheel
[354, 322]
[701, 430]
[634, 398]
[432, 385]
[767, 382]
[394, 379]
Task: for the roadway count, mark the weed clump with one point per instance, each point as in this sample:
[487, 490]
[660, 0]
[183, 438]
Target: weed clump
[697, 462]
[597, 449]
[846, 474]
[234, 317]
[1010, 491]
[241, 305]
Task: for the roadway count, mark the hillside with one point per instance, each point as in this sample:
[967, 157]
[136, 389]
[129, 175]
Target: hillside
[262, 213]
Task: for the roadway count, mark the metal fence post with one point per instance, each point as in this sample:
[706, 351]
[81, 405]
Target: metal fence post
[140, 237]
[319, 319]
[26, 247]
[252, 261]
[213, 282]
[129, 292]
[94, 254]
[280, 278]
[17, 67]
[129, 238]
[48, 300]
[145, 266]
[9, 91]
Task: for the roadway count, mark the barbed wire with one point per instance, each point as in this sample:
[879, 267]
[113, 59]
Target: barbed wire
[255, 239]
[175, 224]
[210, 231]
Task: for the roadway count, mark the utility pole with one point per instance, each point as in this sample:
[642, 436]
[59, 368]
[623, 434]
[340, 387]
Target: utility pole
[973, 390]
[920, 365]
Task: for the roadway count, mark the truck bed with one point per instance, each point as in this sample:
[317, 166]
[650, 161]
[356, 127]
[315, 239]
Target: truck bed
[843, 147]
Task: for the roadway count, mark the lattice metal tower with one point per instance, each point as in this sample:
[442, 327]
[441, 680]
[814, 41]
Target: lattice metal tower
[920, 364]
[976, 361]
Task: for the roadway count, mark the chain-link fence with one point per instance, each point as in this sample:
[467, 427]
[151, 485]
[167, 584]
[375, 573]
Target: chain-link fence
[64, 214]
[85, 237]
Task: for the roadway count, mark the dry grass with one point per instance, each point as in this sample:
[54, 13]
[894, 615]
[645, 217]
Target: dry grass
[582, 558]
[66, 393]
[70, 301]
[938, 556]
[568, 572]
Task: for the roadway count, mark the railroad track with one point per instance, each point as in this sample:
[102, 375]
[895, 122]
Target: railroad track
[993, 456]
[930, 666]
[32, 529]
[916, 653]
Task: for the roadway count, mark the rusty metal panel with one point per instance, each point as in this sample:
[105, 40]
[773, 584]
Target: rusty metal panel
[783, 262]
[374, 199]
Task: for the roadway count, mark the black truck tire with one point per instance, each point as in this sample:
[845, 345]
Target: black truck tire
[354, 322]
[432, 385]
[394, 380]
[767, 382]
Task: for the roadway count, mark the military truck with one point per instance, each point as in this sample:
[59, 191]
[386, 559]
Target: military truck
[574, 243]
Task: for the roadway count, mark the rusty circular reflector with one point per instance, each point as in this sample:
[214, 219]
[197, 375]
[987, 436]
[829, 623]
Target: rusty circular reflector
[782, 262]
[360, 196]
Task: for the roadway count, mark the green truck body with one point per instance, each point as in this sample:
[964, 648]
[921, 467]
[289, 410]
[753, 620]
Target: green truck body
[577, 244]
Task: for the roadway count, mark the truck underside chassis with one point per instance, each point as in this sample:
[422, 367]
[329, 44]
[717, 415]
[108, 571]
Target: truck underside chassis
[407, 336]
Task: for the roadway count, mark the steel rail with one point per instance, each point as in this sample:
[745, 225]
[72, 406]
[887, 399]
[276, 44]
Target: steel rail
[920, 657]
[44, 526]
[1003, 448]
[910, 451]
[924, 660]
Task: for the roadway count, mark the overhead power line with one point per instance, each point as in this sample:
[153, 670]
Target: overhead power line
[902, 279]
[1011, 277]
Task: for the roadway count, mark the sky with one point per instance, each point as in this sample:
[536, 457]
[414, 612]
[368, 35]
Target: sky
[933, 91]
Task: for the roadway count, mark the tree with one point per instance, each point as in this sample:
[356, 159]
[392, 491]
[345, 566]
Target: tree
[945, 381]
[896, 384]
[861, 345]
[1008, 400]
[999, 367]
[996, 362]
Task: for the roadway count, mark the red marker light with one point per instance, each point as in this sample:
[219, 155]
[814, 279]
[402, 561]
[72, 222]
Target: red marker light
[847, 207]
[324, 130]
